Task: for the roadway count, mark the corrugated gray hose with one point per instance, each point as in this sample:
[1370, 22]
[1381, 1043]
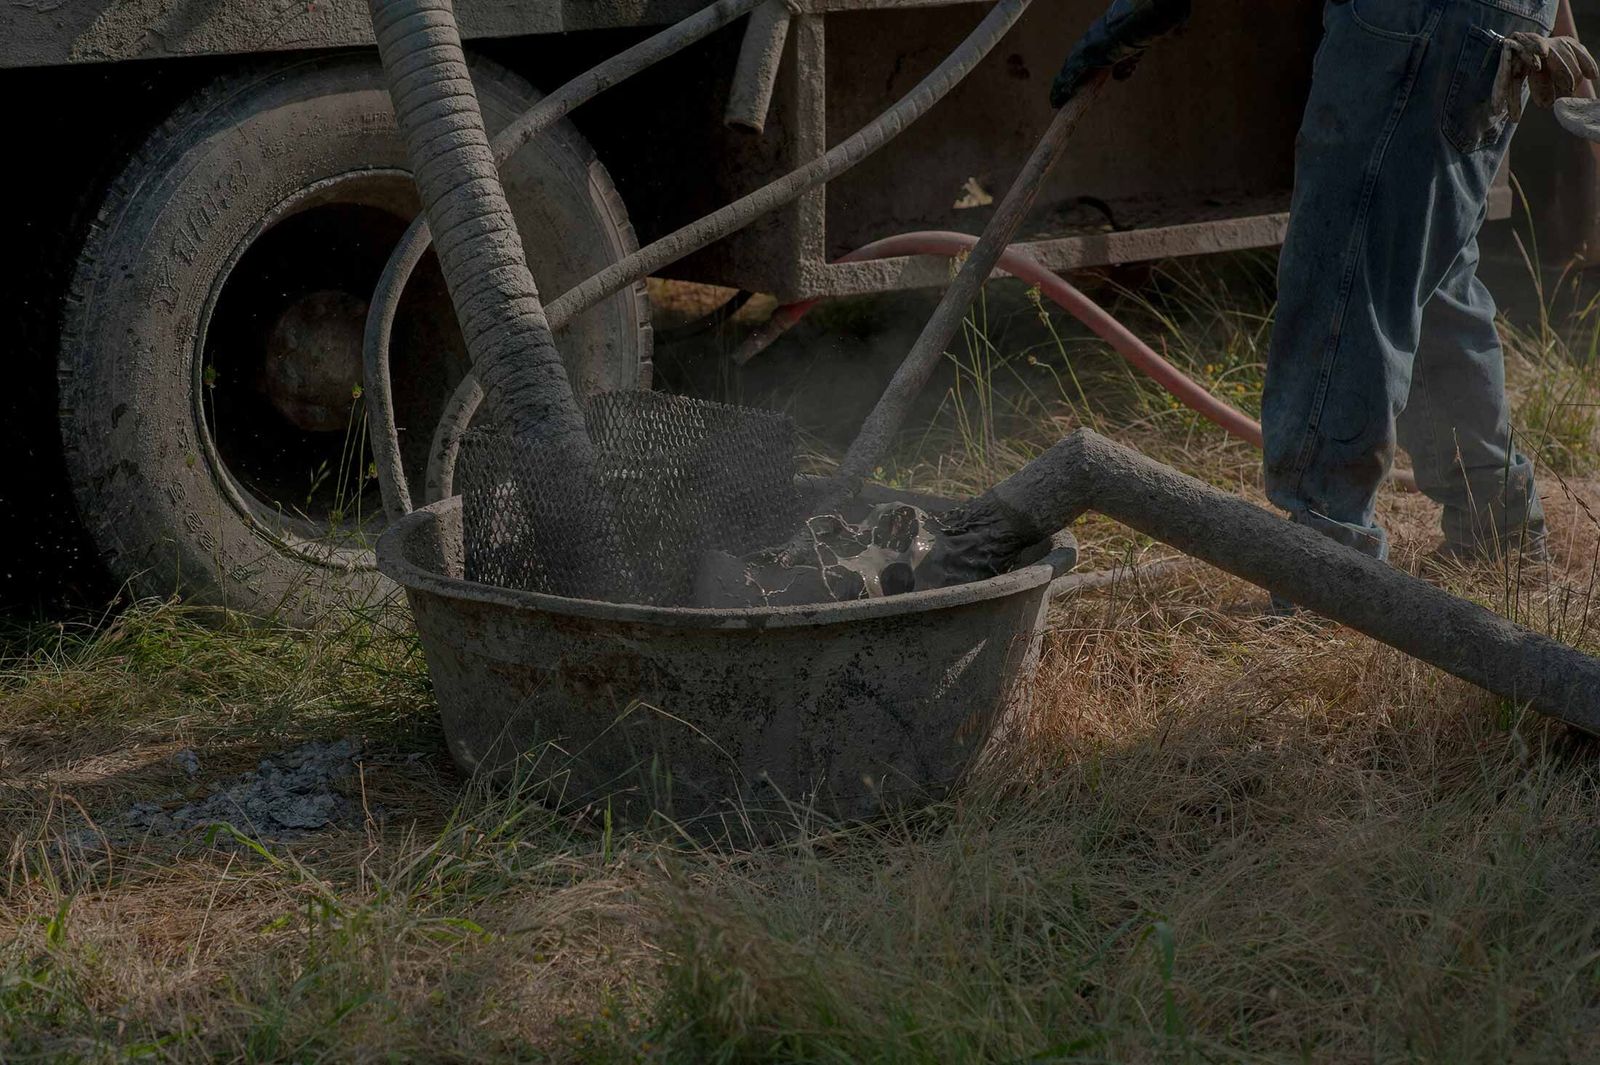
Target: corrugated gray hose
[648, 260]
[417, 238]
[480, 253]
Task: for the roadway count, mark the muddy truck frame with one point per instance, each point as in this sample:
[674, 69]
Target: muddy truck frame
[203, 193]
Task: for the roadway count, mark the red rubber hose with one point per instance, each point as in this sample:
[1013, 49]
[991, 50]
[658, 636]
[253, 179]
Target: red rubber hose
[1019, 264]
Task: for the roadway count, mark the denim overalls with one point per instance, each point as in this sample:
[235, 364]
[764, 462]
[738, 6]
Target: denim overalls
[1383, 328]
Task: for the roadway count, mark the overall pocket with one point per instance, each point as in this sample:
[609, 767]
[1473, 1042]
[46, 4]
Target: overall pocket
[1472, 119]
[1399, 19]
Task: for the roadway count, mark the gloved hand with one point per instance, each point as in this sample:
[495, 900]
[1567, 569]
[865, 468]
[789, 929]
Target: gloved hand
[1117, 41]
[1553, 67]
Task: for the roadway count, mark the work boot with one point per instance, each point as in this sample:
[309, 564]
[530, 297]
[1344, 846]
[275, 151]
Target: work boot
[1529, 545]
[1526, 560]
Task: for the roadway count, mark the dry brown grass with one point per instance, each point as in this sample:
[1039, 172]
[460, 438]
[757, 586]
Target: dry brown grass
[1227, 839]
[1230, 840]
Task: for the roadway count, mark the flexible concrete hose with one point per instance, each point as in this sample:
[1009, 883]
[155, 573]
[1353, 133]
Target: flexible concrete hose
[1087, 472]
[735, 216]
[415, 242]
[835, 161]
[481, 255]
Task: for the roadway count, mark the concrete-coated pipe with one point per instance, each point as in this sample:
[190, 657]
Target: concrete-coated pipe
[1087, 472]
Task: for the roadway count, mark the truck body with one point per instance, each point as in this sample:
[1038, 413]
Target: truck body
[120, 101]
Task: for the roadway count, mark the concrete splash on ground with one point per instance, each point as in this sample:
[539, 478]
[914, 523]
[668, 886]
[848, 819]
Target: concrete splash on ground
[309, 788]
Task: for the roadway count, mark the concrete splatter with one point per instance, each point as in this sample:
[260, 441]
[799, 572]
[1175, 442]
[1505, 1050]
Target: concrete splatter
[309, 788]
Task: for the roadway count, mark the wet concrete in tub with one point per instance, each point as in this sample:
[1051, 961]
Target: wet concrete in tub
[884, 554]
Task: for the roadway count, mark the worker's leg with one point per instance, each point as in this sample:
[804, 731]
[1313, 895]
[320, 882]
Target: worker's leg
[1397, 151]
[1455, 425]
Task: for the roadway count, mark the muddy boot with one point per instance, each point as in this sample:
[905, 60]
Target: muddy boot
[1528, 547]
[1520, 556]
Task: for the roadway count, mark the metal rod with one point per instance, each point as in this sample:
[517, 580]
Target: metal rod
[873, 441]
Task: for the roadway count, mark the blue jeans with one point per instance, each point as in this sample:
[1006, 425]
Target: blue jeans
[1384, 333]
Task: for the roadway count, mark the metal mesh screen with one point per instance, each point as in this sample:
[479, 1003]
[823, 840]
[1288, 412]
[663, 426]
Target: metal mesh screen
[676, 477]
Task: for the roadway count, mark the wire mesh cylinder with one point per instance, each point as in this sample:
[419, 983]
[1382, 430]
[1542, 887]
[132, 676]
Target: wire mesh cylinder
[680, 477]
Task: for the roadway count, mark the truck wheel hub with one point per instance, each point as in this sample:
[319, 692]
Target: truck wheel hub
[312, 367]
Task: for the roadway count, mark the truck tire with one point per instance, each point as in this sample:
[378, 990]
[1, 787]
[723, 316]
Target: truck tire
[209, 363]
